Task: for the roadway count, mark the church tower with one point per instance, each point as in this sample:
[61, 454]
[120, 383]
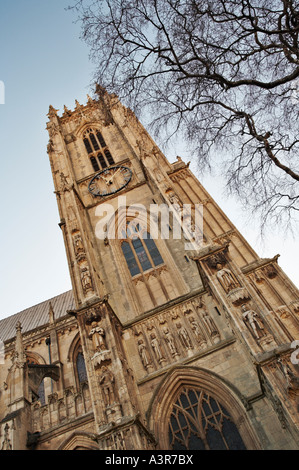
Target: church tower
[170, 325]
[176, 334]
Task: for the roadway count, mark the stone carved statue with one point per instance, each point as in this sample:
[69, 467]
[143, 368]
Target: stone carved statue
[292, 379]
[174, 200]
[209, 322]
[107, 382]
[86, 280]
[156, 348]
[78, 245]
[169, 339]
[226, 278]
[143, 354]
[64, 184]
[6, 444]
[254, 322]
[184, 336]
[97, 335]
[197, 330]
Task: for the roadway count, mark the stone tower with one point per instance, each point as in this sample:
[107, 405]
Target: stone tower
[187, 336]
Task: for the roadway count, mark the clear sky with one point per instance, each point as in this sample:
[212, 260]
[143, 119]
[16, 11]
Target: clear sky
[44, 62]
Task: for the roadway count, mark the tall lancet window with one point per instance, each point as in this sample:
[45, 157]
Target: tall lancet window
[99, 154]
[139, 249]
[81, 368]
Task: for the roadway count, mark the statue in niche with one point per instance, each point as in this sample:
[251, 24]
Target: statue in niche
[107, 382]
[6, 444]
[156, 347]
[86, 280]
[254, 322]
[143, 354]
[64, 184]
[226, 278]
[169, 339]
[184, 336]
[174, 200]
[97, 335]
[209, 322]
[78, 245]
[292, 379]
[197, 330]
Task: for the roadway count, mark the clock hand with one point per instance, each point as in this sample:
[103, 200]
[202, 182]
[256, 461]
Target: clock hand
[108, 182]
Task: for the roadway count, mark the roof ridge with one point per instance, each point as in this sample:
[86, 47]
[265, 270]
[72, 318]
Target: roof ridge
[37, 315]
[36, 305]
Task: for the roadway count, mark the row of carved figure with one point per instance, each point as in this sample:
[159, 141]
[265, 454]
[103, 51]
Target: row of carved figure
[176, 333]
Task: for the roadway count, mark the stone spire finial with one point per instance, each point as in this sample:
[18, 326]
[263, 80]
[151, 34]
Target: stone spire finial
[51, 314]
[19, 347]
[67, 111]
[52, 112]
[89, 99]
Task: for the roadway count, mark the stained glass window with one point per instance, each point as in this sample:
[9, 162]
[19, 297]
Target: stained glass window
[87, 146]
[94, 142]
[101, 140]
[141, 254]
[153, 251]
[130, 259]
[140, 251]
[200, 422]
[81, 369]
[94, 164]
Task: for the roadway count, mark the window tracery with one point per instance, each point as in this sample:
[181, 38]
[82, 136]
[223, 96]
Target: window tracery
[139, 249]
[199, 421]
[96, 147]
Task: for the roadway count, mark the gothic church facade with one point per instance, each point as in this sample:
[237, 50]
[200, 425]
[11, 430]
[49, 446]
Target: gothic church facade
[162, 343]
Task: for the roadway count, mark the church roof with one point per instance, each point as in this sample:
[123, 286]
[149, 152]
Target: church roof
[36, 316]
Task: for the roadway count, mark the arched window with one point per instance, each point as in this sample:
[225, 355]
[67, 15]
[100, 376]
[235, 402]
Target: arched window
[99, 154]
[81, 368]
[199, 421]
[139, 249]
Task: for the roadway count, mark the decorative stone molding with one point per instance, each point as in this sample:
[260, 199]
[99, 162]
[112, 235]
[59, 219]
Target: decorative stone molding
[238, 296]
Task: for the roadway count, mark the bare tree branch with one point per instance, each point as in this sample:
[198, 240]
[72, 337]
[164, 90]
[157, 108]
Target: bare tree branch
[224, 74]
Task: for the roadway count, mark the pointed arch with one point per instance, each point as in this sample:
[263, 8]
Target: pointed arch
[95, 146]
[34, 358]
[223, 399]
[76, 357]
[80, 441]
[86, 125]
[150, 276]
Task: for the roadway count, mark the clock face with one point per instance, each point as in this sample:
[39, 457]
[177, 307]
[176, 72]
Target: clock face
[110, 181]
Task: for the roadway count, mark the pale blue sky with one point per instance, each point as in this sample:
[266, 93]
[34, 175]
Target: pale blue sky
[44, 62]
